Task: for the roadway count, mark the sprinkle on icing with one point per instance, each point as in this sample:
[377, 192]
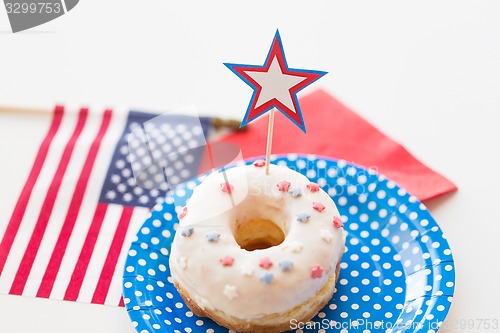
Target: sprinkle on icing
[227, 261]
[303, 217]
[213, 236]
[259, 163]
[337, 222]
[265, 263]
[187, 231]
[267, 278]
[289, 266]
[226, 187]
[182, 213]
[317, 272]
[230, 291]
[295, 192]
[286, 265]
[183, 263]
[326, 235]
[296, 247]
[284, 186]
[313, 187]
[247, 269]
[318, 206]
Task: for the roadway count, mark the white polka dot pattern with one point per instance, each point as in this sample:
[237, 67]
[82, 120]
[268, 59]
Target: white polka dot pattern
[397, 269]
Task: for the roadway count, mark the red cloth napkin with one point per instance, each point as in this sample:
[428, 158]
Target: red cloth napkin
[334, 130]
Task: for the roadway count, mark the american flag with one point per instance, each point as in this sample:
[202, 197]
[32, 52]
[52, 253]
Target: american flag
[93, 182]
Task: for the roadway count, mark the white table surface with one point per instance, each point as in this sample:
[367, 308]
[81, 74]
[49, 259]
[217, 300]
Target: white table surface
[427, 73]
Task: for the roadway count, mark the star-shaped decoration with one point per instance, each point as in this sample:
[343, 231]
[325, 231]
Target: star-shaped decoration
[326, 235]
[182, 213]
[187, 231]
[337, 222]
[121, 188]
[317, 272]
[230, 291]
[183, 263]
[303, 217]
[267, 278]
[313, 187]
[213, 236]
[296, 247]
[265, 263]
[283, 186]
[127, 197]
[275, 85]
[259, 163]
[295, 192]
[285, 265]
[111, 195]
[318, 206]
[226, 187]
[227, 261]
[247, 269]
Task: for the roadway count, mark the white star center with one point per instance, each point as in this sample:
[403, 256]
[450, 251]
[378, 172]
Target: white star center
[275, 84]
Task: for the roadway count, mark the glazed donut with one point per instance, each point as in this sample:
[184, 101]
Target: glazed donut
[253, 251]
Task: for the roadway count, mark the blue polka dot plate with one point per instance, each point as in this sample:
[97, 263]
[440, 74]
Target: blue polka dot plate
[397, 274]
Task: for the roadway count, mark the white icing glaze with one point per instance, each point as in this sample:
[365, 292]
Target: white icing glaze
[237, 289]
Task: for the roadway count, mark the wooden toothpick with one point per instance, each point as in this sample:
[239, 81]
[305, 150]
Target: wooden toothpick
[270, 127]
[24, 111]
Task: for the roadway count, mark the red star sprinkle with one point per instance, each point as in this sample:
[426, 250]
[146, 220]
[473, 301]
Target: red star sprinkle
[259, 163]
[226, 187]
[182, 213]
[226, 261]
[317, 272]
[265, 263]
[318, 206]
[337, 222]
[284, 186]
[313, 187]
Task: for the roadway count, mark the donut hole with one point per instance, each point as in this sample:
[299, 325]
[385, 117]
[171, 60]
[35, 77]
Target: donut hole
[258, 234]
[260, 221]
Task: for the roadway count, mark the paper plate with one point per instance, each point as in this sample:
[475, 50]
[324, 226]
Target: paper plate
[397, 274]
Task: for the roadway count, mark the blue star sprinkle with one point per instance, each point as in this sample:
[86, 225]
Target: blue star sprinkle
[267, 278]
[187, 231]
[295, 192]
[213, 236]
[303, 217]
[286, 265]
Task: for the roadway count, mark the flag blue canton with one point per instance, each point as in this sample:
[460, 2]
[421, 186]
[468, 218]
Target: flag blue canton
[154, 154]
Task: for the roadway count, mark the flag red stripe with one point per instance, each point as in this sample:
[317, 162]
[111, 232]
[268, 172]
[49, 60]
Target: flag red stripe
[22, 202]
[46, 210]
[102, 287]
[73, 289]
[73, 211]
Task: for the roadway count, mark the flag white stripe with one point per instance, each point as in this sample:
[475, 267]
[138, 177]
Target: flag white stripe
[62, 203]
[115, 289]
[25, 153]
[34, 205]
[108, 229]
[88, 207]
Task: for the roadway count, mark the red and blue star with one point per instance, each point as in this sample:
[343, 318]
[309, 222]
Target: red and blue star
[275, 85]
